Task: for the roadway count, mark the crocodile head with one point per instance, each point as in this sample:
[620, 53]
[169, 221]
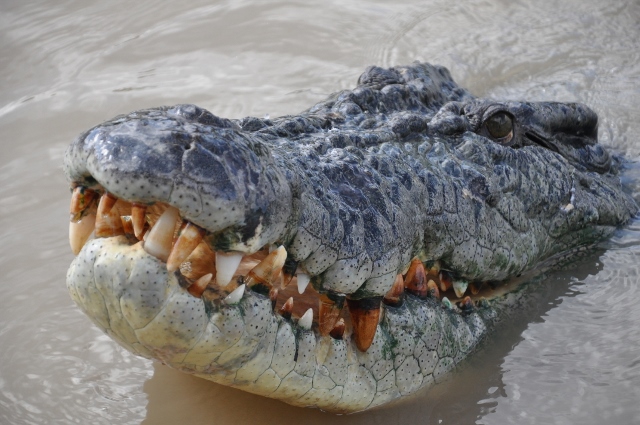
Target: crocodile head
[406, 203]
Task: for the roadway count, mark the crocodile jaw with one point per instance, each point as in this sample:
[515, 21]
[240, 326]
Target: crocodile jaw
[130, 295]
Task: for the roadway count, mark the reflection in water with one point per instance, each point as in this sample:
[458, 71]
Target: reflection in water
[568, 355]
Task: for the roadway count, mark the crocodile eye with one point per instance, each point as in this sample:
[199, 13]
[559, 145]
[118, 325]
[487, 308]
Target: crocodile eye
[499, 127]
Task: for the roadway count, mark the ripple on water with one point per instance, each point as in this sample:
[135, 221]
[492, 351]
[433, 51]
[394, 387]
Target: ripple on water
[582, 363]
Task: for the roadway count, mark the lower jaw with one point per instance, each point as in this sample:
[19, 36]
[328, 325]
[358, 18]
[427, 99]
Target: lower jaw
[242, 342]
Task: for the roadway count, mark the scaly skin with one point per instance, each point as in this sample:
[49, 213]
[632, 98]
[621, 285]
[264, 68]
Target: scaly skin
[404, 165]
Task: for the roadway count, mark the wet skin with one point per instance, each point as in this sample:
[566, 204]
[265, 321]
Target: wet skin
[406, 200]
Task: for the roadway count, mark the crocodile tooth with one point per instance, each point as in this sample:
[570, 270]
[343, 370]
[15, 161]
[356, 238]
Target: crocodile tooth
[482, 303]
[287, 308]
[306, 320]
[460, 287]
[329, 308]
[338, 330]
[108, 221]
[394, 296]
[107, 201]
[197, 288]
[288, 271]
[445, 281]
[226, 265]
[432, 289]
[127, 224]
[303, 282]
[235, 296]
[273, 296]
[80, 231]
[365, 314]
[475, 287]
[447, 303]
[416, 279]
[160, 238]
[200, 262]
[189, 238]
[466, 304]
[435, 268]
[139, 219]
[267, 271]
[81, 199]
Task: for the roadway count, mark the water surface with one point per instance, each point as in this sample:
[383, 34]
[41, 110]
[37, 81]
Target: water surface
[571, 356]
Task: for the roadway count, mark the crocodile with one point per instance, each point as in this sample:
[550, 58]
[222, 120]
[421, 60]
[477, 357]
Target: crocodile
[340, 258]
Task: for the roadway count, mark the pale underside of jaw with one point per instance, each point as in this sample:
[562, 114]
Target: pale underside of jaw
[225, 276]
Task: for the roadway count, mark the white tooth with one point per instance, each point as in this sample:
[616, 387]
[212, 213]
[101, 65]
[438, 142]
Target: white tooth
[235, 296]
[459, 287]
[303, 282]
[226, 266]
[80, 231]
[447, 303]
[160, 238]
[306, 320]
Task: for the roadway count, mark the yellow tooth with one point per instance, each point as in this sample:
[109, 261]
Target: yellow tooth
[188, 239]
[287, 308]
[329, 309]
[201, 261]
[432, 289]
[273, 296]
[80, 231]
[81, 199]
[108, 221]
[365, 314]
[197, 288]
[127, 225]
[139, 218]
[446, 281]
[107, 201]
[338, 330]
[160, 237]
[394, 296]
[288, 271]
[416, 279]
[267, 271]
[466, 304]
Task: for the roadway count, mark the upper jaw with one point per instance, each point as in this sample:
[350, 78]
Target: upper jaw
[166, 155]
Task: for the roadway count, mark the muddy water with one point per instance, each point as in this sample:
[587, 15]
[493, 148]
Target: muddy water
[571, 356]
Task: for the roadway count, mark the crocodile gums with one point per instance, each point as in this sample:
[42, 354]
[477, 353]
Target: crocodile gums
[407, 203]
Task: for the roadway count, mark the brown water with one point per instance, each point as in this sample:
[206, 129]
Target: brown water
[572, 356]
